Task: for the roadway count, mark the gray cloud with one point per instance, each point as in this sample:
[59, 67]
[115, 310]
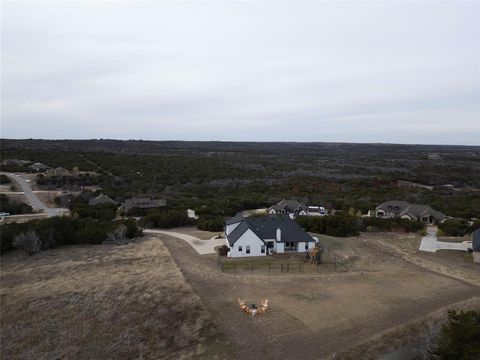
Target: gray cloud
[365, 72]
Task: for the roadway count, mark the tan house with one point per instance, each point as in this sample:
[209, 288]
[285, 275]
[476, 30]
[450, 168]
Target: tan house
[405, 210]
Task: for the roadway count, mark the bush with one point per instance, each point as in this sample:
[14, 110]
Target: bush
[4, 179]
[459, 338]
[211, 223]
[337, 225]
[456, 227]
[104, 212]
[390, 224]
[166, 219]
[58, 231]
[12, 207]
[29, 242]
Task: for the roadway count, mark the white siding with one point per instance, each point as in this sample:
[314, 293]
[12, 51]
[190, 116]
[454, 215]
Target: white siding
[248, 238]
[279, 247]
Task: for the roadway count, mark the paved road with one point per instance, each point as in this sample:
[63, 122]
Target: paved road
[201, 246]
[32, 198]
[431, 244]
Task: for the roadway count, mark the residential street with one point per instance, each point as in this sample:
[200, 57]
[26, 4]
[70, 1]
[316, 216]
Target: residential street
[431, 244]
[33, 200]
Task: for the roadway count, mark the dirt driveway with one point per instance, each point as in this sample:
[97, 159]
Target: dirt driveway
[316, 316]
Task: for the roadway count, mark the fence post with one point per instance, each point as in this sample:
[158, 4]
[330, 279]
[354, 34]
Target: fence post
[252, 266]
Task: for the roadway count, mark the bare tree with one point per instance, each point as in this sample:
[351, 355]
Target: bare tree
[118, 236]
[29, 242]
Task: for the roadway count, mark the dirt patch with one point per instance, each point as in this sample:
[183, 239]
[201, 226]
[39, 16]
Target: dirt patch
[97, 302]
[316, 315]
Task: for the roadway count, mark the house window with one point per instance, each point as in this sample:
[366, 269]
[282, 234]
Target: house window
[240, 248]
[248, 249]
[306, 246]
[262, 249]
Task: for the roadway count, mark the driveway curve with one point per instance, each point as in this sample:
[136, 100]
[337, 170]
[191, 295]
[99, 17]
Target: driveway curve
[431, 244]
[32, 198]
[202, 247]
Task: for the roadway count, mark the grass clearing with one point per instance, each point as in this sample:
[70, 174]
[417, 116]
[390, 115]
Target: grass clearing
[97, 302]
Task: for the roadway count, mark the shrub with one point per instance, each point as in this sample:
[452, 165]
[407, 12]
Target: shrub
[29, 242]
[166, 219]
[455, 227]
[459, 338]
[337, 225]
[210, 223]
[384, 224]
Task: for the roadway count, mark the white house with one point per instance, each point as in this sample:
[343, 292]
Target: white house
[259, 236]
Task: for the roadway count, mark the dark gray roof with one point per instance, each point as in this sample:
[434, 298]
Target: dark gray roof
[293, 205]
[404, 208]
[266, 228]
[235, 219]
[143, 203]
[476, 240]
[389, 206]
[101, 199]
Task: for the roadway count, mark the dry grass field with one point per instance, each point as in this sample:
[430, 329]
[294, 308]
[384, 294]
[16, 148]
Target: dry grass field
[99, 302]
[326, 315]
[157, 298]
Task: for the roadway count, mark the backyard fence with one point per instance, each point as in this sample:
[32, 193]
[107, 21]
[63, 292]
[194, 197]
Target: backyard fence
[276, 267]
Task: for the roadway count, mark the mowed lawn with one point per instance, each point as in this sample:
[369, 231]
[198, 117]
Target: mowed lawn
[99, 302]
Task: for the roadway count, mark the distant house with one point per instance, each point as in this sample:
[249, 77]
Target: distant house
[291, 208]
[38, 167]
[101, 199]
[476, 245]
[317, 211]
[143, 203]
[16, 162]
[405, 210]
[259, 236]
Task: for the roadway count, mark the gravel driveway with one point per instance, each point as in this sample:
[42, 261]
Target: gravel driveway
[201, 246]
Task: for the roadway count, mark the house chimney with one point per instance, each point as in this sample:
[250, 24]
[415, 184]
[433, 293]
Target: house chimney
[279, 234]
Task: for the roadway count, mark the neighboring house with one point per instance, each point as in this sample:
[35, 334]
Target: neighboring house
[405, 210]
[291, 208]
[101, 199]
[259, 236]
[143, 203]
[38, 167]
[57, 171]
[476, 245]
[14, 162]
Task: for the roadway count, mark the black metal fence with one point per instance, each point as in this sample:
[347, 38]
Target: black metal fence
[279, 267]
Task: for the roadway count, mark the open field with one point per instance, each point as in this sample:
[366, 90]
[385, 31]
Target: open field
[158, 298]
[316, 315]
[98, 302]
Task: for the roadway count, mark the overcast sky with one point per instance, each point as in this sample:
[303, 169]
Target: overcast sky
[401, 72]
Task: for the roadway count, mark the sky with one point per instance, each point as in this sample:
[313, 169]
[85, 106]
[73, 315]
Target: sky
[384, 72]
